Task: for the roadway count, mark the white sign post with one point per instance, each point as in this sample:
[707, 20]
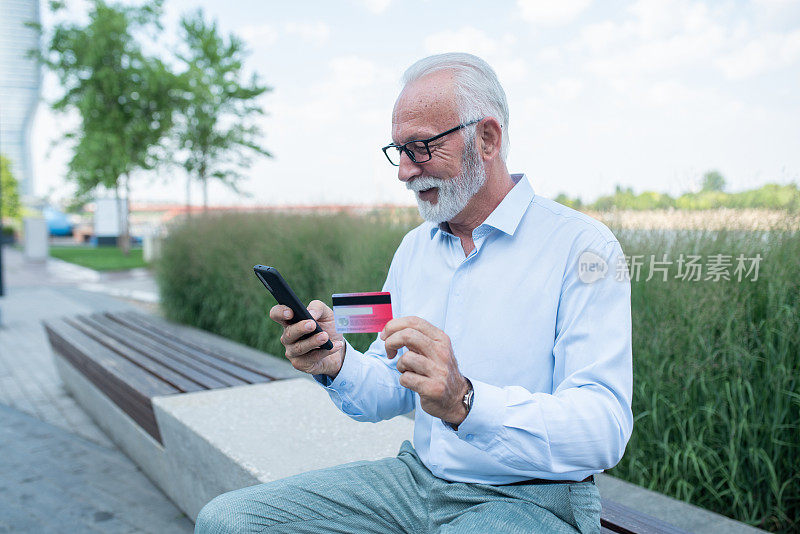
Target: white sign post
[107, 223]
[37, 247]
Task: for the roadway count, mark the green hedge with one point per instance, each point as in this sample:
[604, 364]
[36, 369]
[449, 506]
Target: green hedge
[716, 396]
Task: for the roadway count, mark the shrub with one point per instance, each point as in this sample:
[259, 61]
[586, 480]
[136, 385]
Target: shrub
[206, 275]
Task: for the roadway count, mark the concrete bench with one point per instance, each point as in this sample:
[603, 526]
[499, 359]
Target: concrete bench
[202, 415]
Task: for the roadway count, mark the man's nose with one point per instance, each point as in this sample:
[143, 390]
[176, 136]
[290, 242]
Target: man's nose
[407, 168]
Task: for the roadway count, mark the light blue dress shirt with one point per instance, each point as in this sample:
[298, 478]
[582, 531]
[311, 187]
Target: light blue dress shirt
[536, 324]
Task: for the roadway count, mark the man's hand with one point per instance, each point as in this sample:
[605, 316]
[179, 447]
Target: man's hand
[428, 366]
[305, 354]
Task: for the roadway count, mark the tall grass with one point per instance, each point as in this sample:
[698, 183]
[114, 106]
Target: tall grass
[716, 396]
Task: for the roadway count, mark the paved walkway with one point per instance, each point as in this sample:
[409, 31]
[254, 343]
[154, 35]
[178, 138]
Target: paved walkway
[33, 476]
[54, 481]
[36, 292]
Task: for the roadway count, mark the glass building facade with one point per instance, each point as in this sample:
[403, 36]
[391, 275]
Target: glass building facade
[20, 84]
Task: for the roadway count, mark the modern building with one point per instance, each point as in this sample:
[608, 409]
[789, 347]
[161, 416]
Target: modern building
[20, 84]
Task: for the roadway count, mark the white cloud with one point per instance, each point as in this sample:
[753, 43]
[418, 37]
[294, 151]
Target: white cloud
[498, 52]
[259, 34]
[656, 36]
[315, 32]
[565, 89]
[377, 6]
[668, 36]
[550, 54]
[466, 39]
[264, 35]
[760, 54]
[551, 12]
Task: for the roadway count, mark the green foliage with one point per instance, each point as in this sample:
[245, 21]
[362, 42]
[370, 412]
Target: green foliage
[562, 198]
[774, 196]
[711, 196]
[626, 199]
[10, 205]
[716, 390]
[99, 258]
[125, 99]
[713, 181]
[703, 200]
[214, 129]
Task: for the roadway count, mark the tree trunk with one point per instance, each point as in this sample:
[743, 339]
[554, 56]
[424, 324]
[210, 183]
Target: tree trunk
[188, 195]
[125, 246]
[205, 195]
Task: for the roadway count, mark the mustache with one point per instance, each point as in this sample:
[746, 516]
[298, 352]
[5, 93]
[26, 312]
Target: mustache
[424, 182]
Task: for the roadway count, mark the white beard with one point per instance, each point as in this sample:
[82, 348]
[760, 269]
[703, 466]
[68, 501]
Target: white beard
[455, 193]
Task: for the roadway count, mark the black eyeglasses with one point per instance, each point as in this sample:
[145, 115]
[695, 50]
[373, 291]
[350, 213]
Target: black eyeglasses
[418, 151]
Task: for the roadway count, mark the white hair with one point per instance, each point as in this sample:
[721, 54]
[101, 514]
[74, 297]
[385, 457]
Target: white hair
[478, 92]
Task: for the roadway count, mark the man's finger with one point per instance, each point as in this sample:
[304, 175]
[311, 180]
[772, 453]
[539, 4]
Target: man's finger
[300, 347]
[316, 308]
[281, 314]
[414, 322]
[409, 338]
[416, 363]
[414, 382]
[294, 332]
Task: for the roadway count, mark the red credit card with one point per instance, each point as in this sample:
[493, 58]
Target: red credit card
[361, 312]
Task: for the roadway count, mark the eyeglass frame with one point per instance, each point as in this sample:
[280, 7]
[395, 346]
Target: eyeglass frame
[404, 147]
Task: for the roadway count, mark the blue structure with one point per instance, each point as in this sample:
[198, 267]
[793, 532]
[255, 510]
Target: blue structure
[20, 85]
[57, 221]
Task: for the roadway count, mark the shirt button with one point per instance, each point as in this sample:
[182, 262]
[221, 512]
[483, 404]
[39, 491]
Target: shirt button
[344, 383]
[470, 437]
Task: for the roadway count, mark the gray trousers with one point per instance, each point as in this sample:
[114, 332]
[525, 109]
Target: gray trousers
[399, 495]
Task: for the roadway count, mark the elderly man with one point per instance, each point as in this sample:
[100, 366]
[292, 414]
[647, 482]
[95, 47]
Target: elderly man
[511, 339]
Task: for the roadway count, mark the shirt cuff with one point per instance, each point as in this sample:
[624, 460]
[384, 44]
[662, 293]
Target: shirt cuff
[485, 419]
[347, 374]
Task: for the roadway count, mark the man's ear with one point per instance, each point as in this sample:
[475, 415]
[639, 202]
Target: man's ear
[491, 137]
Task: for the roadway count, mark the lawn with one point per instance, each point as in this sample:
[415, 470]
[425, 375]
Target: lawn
[100, 258]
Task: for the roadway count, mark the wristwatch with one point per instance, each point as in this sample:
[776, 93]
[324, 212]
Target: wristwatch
[467, 401]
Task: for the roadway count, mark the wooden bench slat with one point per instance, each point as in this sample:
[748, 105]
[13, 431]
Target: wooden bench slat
[205, 375]
[112, 362]
[623, 520]
[141, 359]
[214, 354]
[211, 356]
[126, 384]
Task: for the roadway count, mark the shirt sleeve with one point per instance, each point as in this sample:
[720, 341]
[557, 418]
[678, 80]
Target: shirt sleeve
[367, 387]
[585, 424]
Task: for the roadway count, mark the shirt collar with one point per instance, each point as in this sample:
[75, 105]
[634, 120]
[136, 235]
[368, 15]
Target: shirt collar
[507, 215]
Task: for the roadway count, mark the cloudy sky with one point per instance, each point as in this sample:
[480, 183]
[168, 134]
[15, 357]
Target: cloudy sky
[648, 94]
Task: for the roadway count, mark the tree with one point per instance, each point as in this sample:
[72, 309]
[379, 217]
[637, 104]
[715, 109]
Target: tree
[713, 181]
[563, 198]
[213, 129]
[124, 98]
[9, 202]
